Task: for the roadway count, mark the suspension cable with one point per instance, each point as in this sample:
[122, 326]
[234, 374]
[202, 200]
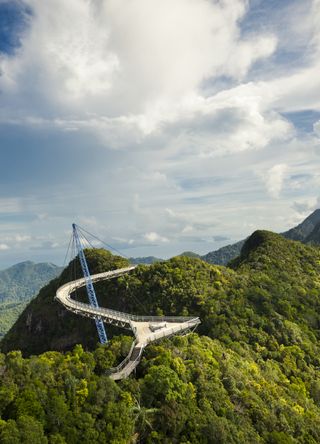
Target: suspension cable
[100, 240]
[82, 231]
[66, 256]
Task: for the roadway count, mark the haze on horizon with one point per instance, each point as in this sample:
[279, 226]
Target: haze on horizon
[160, 126]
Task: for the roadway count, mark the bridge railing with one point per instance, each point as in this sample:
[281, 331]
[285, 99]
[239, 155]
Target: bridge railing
[122, 363]
[127, 317]
[158, 335]
[166, 333]
[139, 318]
[123, 316]
[66, 290]
[183, 323]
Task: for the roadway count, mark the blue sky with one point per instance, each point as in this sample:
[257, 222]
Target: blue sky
[159, 126]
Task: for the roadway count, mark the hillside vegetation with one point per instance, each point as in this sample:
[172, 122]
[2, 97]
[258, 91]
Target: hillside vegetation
[18, 284]
[308, 232]
[249, 375]
[224, 254]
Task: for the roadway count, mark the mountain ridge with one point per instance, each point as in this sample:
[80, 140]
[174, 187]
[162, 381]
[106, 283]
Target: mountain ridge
[299, 233]
[314, 236]
[15, 293]
[18, 284]
[132, 293]
[248, 375]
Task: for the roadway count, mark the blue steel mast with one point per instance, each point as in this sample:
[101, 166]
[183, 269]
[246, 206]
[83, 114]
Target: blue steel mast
[89, 285]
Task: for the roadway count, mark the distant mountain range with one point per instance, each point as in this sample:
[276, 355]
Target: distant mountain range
[18, 284]
[314, 236]
[144, 260]
[21, 282]
[249, 374]
[307, 232]
[224, 254]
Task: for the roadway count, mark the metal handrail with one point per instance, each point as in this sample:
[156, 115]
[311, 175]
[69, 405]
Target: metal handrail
[183, 323]
[122, 363]
[120, 315]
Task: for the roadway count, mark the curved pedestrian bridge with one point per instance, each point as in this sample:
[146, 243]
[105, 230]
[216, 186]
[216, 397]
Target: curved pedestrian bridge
[146, 329]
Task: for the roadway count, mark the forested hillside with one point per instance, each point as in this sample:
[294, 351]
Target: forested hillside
[308, 232]
[18, 284]
[224, 254]
[250, 374]
[47, 325]
[144, 260]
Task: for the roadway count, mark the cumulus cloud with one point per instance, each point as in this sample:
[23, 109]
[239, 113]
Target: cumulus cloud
[155, 237]
[274, 179]
[175, 89]
[22, 238]
[124, 69]
[186, 223]
[231, 121]
[4, 247]
[298, 91]
[123, 63]
[18, 238]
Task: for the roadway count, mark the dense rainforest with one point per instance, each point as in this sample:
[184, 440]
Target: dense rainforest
[250, 374]
[18, 284]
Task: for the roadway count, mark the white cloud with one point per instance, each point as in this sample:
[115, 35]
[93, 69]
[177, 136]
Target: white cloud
[242, 57]
[231, 121]
[306, 206]
[17, 238]
[123, 69]
[274, 179]
[315, 20]
[64, 48]
[187, 229]
[124, 63]
[4, 247]
[298, 91]
[155, 237]
[173, 85]
[22, 238]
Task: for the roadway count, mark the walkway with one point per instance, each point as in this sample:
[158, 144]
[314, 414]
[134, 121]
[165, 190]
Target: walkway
[146, 329]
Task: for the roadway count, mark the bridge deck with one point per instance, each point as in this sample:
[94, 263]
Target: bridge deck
[146, 329]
